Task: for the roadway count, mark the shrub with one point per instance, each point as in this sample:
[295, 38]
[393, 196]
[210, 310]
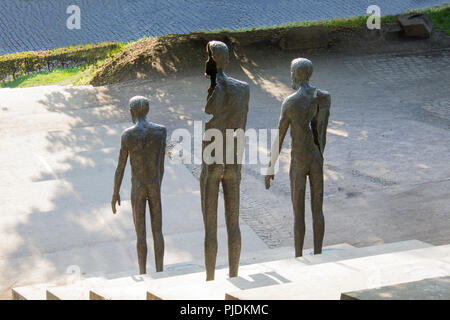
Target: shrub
[22, 63]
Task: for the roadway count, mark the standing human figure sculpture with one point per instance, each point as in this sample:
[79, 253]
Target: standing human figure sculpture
[145, 143]
[306, 113]
[227, 102]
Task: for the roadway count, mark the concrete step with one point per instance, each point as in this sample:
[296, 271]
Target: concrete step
[329, 280]
[67, 289]
[126, 285]
[194, 286]
[32, 292]
[80, 289]
[126, 288]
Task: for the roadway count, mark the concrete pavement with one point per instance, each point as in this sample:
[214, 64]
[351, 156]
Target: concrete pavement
[55, 191]
[37, 25]
[386, 163]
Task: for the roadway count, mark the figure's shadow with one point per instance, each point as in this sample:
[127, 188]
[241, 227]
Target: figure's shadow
[258, 280]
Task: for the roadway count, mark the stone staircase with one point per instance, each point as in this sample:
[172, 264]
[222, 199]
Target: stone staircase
[266, 274]
[329, 281]
[66, 289]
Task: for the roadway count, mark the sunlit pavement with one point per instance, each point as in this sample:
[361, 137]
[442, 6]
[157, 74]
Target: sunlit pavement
[386, 162]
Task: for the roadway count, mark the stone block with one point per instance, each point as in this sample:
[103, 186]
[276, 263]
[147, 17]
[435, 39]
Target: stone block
[329, 280]
[416, 25]
[265, 275]
[428, 289]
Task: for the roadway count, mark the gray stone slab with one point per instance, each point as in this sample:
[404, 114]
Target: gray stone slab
[124, 285]
[327, 281]
[428, 289]
[268, 274]
[416, 25]
[193, 285]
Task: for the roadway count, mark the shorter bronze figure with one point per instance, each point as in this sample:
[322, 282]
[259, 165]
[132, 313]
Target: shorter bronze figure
[145, 143]
[306, 112]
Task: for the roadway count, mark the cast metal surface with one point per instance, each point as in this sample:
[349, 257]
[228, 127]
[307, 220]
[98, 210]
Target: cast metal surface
[145, 144]
[227, 102]
[306, 113]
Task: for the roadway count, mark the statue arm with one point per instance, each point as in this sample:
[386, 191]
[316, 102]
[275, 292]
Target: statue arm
[163, 156]
[120, 170]
[283, 126]
[243, 123]
[319, 123]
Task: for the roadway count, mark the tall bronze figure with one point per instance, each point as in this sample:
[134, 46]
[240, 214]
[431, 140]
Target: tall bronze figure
[227, 102]
[145, 143]
[306, 112]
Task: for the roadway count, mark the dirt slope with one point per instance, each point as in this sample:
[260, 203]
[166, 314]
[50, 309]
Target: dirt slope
[174, 53]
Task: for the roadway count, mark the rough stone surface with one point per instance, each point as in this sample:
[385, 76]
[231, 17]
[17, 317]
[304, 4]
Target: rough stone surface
[327, 281]
[37, 25]
[428, 289]
[305, 38]
[416, 25]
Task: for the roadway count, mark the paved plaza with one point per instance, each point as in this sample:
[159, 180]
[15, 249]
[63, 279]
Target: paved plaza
[37, 25]
[386, 163]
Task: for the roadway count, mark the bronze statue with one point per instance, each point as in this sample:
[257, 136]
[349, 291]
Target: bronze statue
[145, 143]
[227, 102]
[306, 112]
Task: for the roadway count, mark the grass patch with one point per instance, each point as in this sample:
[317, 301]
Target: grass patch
[41, 78]
[440, 17]
[351, 22]
[60, 76]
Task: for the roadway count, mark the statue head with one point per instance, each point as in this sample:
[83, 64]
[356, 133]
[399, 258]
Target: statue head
[218, 51]
[139, 107]
[301, 71]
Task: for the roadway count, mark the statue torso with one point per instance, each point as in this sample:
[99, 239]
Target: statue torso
[301, 108]
[145, 144]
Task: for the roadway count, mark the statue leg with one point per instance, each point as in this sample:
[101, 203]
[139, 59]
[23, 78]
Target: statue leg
[316, 186]
[298, 185]
[154, 196]
[209, 189]
[138, 203]
[230, 184]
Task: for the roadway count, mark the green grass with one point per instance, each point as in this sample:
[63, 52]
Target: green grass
[42, 78]
[440, 17]
[351, 22]
[60, 76]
